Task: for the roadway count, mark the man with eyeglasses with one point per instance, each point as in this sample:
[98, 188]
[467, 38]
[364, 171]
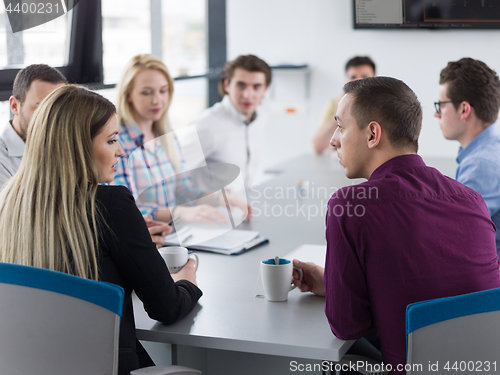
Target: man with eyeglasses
[469, 101]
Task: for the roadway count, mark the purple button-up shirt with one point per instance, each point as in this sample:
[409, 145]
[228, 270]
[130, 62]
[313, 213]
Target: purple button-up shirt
[407, 234]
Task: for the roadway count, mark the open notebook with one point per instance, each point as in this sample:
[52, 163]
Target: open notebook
[215, 239]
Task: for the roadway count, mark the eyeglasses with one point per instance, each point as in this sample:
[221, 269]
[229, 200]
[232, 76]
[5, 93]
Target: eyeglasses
[437, 105]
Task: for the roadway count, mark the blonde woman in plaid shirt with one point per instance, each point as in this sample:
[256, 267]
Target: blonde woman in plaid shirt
[152, 167]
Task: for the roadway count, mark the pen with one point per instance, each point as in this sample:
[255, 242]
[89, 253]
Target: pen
[174, 220]
[186, 238]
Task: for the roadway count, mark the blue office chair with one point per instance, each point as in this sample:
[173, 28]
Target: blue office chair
[460, 332]
[53, 323]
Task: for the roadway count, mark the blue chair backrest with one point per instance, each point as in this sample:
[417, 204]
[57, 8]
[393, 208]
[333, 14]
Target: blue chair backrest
[459, 333]
[52, 323]
[106, 295]
[424, 313]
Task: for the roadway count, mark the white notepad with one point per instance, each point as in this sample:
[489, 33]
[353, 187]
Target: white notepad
[215, 239]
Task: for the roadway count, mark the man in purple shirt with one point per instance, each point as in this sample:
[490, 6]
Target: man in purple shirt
[407, 234]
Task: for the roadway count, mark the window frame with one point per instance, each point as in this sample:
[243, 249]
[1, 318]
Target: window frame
[85, 62]
[85, 51]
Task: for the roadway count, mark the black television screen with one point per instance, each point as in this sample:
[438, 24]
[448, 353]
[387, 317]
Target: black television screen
[434, 14]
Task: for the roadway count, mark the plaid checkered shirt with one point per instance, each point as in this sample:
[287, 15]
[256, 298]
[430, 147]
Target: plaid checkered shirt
[148, 173]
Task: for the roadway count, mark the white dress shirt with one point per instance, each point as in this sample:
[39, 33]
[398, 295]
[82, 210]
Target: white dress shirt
[11, 152]
[225, 136]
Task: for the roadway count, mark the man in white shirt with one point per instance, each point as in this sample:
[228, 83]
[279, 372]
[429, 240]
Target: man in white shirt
[31, 85]
[231, 131]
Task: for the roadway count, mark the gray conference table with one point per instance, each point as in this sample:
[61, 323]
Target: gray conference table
[229, 317]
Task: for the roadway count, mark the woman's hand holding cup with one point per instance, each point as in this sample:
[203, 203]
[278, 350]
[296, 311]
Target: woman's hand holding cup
[180, 263]
[188, 272]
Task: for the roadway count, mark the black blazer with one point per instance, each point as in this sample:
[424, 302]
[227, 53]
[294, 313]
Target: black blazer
[128, 257]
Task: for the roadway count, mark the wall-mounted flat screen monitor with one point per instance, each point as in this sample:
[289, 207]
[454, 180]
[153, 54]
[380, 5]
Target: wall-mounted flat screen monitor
[434, 14]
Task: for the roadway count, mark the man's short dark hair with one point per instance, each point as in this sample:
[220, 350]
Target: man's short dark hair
[250, 63]
[31, 73]
[474, 82]
[358, 61]
[392, 104]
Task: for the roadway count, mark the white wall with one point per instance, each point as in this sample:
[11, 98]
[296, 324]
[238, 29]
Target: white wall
[320, 33]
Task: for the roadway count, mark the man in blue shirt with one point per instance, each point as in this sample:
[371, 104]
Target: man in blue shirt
[469, 101]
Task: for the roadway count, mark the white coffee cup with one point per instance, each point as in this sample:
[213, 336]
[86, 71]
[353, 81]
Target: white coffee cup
[277, 278]
[176, 257]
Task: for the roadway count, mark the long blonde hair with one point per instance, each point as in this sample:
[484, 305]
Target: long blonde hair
[161, 127]
[48, 215]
